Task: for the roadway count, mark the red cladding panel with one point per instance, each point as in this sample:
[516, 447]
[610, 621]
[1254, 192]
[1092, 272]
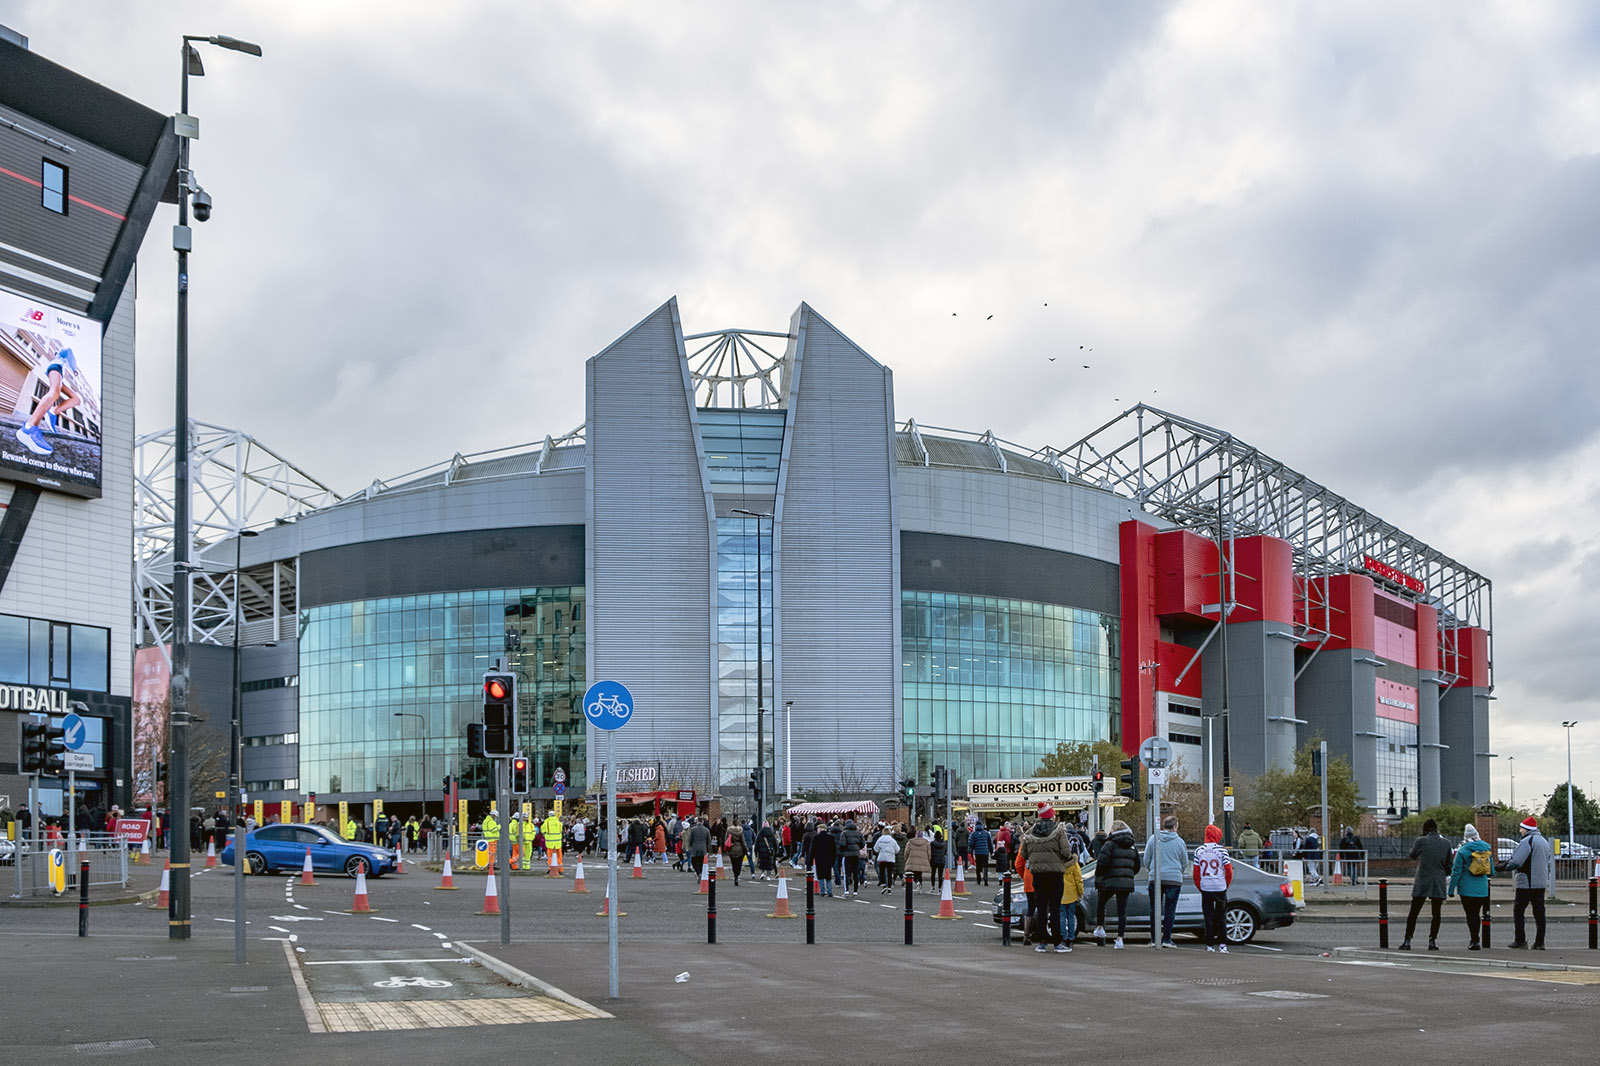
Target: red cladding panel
[1349, 614]
[1263, 581]
[1186, 574]
[1140, 629]
[1173, 658]
[1470, 658]
[1427, 638]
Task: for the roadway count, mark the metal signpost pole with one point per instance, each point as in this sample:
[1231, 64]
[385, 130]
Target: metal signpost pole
[1326, 825]
[502, 868]
[611, 865]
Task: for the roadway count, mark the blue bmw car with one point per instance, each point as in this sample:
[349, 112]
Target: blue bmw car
[283, 847]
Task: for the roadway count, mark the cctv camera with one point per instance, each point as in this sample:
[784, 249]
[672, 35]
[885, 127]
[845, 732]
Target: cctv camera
[202, 205]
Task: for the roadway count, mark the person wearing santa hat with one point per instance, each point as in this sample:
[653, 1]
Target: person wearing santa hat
[1047, 851]
[1533, 862]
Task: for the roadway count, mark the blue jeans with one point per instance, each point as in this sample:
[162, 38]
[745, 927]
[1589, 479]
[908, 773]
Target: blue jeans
[1169, 907]
[1069, 922]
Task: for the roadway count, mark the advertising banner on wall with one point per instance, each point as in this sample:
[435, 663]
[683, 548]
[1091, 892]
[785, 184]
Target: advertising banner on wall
[152, 683]
[50, 418]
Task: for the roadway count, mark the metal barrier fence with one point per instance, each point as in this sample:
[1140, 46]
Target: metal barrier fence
[106, 855]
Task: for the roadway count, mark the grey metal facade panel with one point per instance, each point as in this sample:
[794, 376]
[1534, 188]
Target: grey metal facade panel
[838, 535]
[1260, 689]
[937, 562]
[443, 562]
[1005, 507]
[1464, 727]
[1337, 695]
[651, 549]
[1428, 750]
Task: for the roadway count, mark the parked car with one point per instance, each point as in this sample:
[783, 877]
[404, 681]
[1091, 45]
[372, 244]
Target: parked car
[283, 847]
[1257, 900]
[1503, 847]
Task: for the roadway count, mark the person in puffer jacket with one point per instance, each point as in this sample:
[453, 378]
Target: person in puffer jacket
[1047, 850]
[1213, 873]
[1115, 868]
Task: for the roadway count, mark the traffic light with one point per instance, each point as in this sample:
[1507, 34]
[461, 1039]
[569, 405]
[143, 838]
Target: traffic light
[521, 775]
[1128, 780]
[475, 740]
[910, 787]
[447, 787]
[1099, 780]
[41, 746]
[938, 782]
[754, 783]
[499, 714]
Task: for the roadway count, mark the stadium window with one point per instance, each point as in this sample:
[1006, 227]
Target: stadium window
[54, 187]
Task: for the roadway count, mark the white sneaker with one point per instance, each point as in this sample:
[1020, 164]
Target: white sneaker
[1099, 932]
[1118, 944]
[1223, 949]
[1211, 949]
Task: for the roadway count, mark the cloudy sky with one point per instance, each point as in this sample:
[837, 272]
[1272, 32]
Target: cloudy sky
[1362, 236]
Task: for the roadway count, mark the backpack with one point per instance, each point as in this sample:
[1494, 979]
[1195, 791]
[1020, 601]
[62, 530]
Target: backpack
[1480, 864]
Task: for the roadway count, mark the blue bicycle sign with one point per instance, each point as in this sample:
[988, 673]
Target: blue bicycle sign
[608, 705]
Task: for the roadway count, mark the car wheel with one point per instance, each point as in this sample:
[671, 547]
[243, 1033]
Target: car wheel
[257, 861]
[1239, 923]
[355, 864]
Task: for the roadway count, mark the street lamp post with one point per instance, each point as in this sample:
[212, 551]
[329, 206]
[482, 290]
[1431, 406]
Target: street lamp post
[236, 758]
[761, 656]
[1572, 826]
[422, 754]
[178, 910]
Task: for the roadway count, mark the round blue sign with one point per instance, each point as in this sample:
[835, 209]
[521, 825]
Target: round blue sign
[74, 731]
[608, 705]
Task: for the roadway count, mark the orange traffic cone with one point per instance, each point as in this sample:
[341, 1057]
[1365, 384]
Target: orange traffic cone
[399, 863]
[1338, 873]
[211, 853]
[449, 882]
[781, 909]
[144, 852]
[605, 908]
[361, 905]
[947, 905]
[577, 882]
[306, 876]
[961, 879]
[638, 867]
[816, 886]
[705, 878]
[166, 883]
[491, 897]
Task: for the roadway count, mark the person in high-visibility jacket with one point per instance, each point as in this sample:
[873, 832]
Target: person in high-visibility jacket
[551, 828]
[350, 829]
[491, 833]
[514, 828]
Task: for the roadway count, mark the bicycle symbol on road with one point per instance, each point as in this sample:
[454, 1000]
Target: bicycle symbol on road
[608, 706]
[410, 982]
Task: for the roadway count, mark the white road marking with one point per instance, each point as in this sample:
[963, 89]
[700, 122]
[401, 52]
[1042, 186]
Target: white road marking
[295, 918]
[1258, 947]
[341, 913]
[424, 928]
[277, 928]
[441, 936]
[303, 907]
[375, 918]
[371, 962]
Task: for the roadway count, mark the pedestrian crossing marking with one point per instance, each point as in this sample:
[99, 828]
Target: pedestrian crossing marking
[445, 1014]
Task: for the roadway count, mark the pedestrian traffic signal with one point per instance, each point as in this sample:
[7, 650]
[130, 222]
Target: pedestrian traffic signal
[910, 787]
[41, 746]
[1099, 780]
[499, 714]
[521, 775]
[1128, 780]
[475, 740]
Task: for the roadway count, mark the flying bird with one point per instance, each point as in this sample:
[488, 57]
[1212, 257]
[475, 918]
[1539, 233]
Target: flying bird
[987, 319]
[1052, 358]
[1086, 366]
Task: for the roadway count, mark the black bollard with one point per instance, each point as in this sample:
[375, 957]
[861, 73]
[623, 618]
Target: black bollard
[1383, 912]
[909, 912]
[811, 905]
[84, 901]
[711, 906]
[1594, 913]
[1486, 927]
[1005, 909]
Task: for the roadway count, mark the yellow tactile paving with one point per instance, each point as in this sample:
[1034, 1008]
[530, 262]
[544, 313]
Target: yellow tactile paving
[445, 1013]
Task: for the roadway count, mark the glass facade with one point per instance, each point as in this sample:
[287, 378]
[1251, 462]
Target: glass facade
[37, 651]
[991, 686]
[388, 686]
[738, 556]
[1397, 764]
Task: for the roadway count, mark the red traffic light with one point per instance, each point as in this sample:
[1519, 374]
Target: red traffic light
[495, 688]
[519, 765]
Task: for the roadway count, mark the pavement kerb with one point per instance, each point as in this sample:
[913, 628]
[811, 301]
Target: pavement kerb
[70, 899]
[1474, 963]
[527, 980]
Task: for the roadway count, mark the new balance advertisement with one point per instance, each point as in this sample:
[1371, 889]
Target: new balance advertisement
[49, 397]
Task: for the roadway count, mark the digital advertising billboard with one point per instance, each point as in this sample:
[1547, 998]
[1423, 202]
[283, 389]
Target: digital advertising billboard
[50, 431]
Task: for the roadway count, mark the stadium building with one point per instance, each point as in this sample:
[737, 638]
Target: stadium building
[745, 535]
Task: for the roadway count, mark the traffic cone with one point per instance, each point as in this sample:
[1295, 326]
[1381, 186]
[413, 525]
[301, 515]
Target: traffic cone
[448, 884]
[166, 883]
[961, 880]
[781, 908]
[947, 905]
[705, 878]
[306, 876]
[1338, 872]
[144, 852]
[491, 897]
[638, 867]
[605, 908]
[211, 853]
[399, 863]
[577, 881]
[361, 905]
